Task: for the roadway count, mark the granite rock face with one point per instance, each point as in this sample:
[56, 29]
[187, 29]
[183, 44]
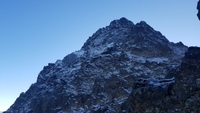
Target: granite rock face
[124, 67]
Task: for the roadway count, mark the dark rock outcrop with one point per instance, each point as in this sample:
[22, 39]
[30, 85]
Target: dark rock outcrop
[198, 8]
[123, 67]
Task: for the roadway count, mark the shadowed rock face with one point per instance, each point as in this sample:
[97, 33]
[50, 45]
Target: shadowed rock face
[180, 94]
[120, 68]
[198, 8]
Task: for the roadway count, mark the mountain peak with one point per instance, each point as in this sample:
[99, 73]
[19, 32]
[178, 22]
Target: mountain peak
[145, 26]
[100, 77]
[122, 22]
[122, 31]
[143, 23]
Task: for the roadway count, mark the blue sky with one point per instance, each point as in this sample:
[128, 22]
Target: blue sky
[34, 33]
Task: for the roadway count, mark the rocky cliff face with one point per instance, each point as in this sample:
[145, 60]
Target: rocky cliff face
[124, 67]
[180, 94]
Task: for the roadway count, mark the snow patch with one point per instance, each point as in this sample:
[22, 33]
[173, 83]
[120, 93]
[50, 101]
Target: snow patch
[158, 60]
[99, 50]
[79, 53]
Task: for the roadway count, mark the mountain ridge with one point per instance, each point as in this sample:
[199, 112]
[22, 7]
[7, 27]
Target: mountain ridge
[100, 76]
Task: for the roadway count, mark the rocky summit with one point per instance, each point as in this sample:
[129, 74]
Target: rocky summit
[121, 68]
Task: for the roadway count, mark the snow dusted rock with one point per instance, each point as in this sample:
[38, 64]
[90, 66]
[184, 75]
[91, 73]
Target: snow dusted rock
[100, 76]
[180, 94]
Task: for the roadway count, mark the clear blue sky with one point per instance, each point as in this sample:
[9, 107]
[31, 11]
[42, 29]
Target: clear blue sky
[34, 33]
